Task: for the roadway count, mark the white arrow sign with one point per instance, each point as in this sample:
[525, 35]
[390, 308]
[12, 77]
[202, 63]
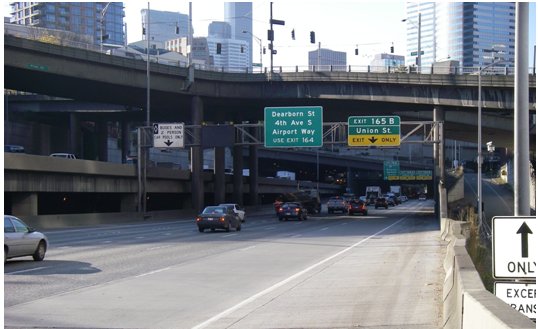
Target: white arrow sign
[514, 247]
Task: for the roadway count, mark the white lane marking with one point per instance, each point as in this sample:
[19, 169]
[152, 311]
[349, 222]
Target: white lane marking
[247, 248]
[323, 229]
[228, 235]
[296, 236]
[159, 247]
[29, 270]
[285, 281]
[153, 272]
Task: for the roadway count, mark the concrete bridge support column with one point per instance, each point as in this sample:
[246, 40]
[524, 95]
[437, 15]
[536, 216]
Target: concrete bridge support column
[102, 140]
[253, 175]
[197, 155]
[220, 182]
[238, 174]
[125, 128]
[438, 155]
[24, 204]
[74, 135]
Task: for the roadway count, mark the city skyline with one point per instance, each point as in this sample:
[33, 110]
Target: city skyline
[339, 26]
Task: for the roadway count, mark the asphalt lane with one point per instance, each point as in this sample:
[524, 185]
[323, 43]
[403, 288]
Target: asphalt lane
[330, 271]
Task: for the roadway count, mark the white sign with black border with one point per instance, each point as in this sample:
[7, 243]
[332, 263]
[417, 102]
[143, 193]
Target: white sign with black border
[520, 295]
[168, 135]
[514, 247]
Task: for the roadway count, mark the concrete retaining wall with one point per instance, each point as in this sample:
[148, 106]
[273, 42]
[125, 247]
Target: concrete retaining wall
[466, 303]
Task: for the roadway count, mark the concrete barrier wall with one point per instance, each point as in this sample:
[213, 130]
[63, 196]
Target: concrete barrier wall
[466, 303]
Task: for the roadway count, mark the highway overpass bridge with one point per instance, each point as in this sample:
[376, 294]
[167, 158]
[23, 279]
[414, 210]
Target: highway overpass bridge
[196, 97]
[238, 97]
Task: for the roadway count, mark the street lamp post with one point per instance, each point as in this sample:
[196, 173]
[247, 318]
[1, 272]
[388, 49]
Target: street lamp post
[479, 150]
[261, 46]
[103, 13]
[419, 50]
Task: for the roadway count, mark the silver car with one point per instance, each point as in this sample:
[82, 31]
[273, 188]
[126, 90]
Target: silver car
[21, 240]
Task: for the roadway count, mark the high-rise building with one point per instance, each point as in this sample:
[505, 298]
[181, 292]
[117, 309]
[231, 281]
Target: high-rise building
[239, 16]
[462, 31]
[88, 18]
[164, 26]
[226, 52]
[326, 57]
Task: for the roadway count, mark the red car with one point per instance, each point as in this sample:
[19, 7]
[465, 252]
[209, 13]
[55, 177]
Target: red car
[357, 206]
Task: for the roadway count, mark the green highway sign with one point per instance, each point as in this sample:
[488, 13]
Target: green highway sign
[373, 131]
[414, 53]
[293, 126]
[391, 170]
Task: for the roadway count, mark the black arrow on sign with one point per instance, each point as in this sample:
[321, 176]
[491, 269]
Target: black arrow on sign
[168, 143]
[373, 139]
[524, 230]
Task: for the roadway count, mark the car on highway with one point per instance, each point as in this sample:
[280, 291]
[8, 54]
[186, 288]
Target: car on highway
[390, 200]
[337, 203]
[422, 197]
[357, 206]
[292, 210]
[13, 149]
[63, 155]
[237, 209]
[381, 202]
[218, 217]
[22, 240]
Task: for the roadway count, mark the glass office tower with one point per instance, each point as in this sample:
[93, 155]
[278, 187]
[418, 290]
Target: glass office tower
[462, 31]
[88, 18]
[239, 16]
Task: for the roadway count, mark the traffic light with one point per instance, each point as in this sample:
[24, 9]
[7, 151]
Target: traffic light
[392, 49]
[312, 37]
[270, 35]
[356, 51]
[219, 48]
[293, 34]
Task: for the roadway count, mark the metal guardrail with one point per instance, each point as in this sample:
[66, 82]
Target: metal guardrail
[57, 38]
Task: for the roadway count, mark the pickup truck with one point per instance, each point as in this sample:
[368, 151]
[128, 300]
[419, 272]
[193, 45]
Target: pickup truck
[337, 204]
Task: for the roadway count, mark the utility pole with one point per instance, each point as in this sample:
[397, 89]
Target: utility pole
[271, 35]
[521, 113]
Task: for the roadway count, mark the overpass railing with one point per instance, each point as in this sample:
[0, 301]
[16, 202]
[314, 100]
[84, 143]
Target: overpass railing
[68, 40]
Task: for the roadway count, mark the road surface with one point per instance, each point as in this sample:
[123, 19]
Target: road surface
[331, 271]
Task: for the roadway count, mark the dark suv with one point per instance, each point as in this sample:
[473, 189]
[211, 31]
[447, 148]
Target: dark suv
[381, 202]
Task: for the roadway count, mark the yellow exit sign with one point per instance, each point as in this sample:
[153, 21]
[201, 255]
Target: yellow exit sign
[373, 140]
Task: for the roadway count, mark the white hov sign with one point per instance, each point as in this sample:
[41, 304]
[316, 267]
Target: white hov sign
[168, 135]
[514, 247]
[520, 295]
